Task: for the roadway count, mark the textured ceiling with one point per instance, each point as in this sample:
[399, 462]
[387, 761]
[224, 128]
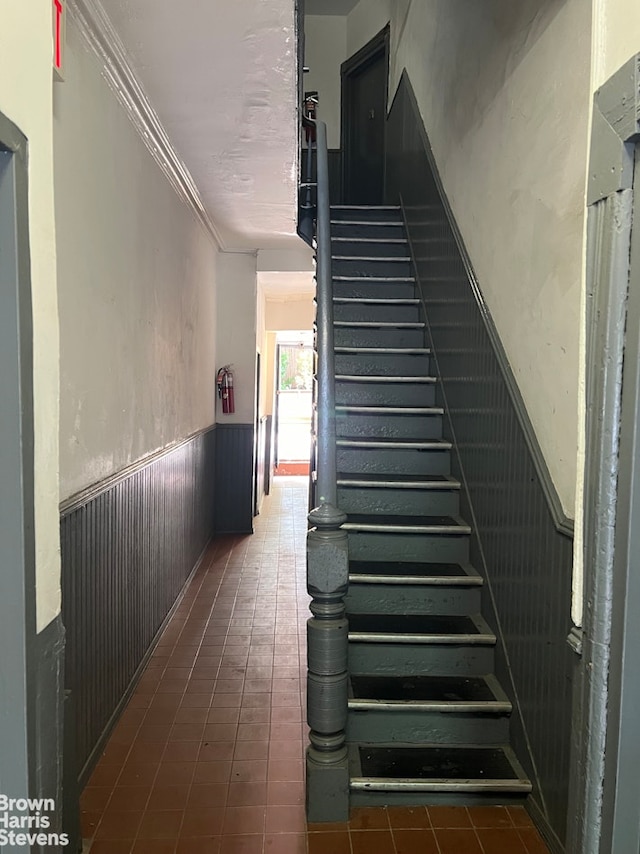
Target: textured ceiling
[222, 77]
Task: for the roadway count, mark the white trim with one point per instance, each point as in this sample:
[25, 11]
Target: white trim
[98, 32]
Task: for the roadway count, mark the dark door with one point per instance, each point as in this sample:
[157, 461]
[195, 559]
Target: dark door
[364, 109]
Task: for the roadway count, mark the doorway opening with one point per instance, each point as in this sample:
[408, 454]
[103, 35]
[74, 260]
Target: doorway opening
[17, 554]
[294, 385]
[364, 115]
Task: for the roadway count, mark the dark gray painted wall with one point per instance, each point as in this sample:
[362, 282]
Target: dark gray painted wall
[49, 713]
[128, 547]
[521, 544]
[234, 478]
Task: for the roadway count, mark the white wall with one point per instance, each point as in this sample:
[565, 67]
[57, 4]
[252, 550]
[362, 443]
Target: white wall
[236, 331]
[325, 51]
[366, 20]
[283, 315]
[25, 99]
[137, 281]
[503, 89]
[616, 36]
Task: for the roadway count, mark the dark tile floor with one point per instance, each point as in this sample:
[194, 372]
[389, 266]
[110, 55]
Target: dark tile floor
[207, 758]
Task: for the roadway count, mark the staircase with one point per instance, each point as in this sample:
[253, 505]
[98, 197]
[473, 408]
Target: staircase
[427, 720]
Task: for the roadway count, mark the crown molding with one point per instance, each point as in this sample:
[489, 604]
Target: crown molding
[101, 37]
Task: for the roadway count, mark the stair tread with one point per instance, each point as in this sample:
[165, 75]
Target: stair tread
[367, 442]
[374, 279]
[399, 481]
[381, 324]
[376, 300]
[389, 410]
[384, 378]
[464, 767]
[343, 239]
[366, 207]
[360, 222]
[412, 689]
[408, 572]
[405, 524]
[381, 351]
[385, 258]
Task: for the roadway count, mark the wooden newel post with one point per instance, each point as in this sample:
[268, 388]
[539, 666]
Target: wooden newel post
[327, 639]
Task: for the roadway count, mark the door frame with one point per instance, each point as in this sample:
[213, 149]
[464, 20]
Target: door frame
[605, 787]
[17, 525]
[378, 46]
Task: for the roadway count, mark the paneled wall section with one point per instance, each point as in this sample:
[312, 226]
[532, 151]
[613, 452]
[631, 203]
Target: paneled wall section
[127, 549]
[521, 544]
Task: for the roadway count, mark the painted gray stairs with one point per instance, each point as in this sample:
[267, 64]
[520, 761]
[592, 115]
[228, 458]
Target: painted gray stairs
[428, 721]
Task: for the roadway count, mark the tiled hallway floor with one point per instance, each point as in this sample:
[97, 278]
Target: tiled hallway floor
[207, 758]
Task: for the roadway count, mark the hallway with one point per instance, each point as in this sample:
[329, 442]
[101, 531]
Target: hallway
[208, 756]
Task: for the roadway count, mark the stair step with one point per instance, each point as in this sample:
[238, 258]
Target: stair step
[384, 240]
[378, 361]
[436, 768]
[370, 280]
[399, 481]
[367, 222]
[382, 378]
[440, 629]
[406, 524]
[384, 390]
[377, 258]
[376, 300]
[353, 246]
[387, 444]
[372, 265]
[358, 214]
[381, 351]
[374, 286]
[402, 693]
[431, 574]
[380, 324]
[390, 410]
[380, 421]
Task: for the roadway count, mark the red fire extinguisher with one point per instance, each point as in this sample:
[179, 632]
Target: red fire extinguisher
[224, 382]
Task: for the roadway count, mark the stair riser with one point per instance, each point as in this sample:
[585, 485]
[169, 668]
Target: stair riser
[371, 798]
[385, 394]
[377, 312]
[370, 267]
[411, 599]
[363, 289]
[420, 659]
[399, 502]
[390, 426]
[392, 461]
[442, 548]
[346, 229]
[378, 337]
[345, 214]
[381, 726]
[383, 364]
[368, 248]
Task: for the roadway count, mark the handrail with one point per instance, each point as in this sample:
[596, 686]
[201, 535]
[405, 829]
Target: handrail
[326, 490]
[327, 550]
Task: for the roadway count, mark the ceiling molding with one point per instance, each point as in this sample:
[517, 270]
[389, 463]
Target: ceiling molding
[100, 35]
